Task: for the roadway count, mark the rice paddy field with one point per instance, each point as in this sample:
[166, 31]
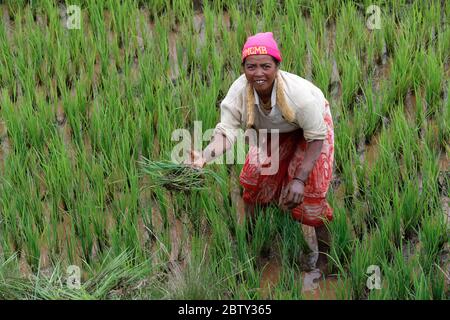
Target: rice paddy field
[80, 108]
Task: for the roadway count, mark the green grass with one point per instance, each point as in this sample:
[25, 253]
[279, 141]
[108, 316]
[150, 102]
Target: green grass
[81, 108]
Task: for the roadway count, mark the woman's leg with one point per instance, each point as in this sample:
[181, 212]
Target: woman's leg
[250, 212]
[314, 209]
[323, 243]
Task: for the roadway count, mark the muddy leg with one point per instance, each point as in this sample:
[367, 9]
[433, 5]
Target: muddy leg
[323, 242]
[309, 261]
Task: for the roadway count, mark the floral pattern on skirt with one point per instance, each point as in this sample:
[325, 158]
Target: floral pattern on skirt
[264, 189]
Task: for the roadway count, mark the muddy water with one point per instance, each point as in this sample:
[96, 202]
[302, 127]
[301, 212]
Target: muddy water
[381, 72]
[371, 151]
[270, 276]
[314, 286]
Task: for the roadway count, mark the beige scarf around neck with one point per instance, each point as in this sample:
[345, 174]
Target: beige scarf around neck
[285, 109]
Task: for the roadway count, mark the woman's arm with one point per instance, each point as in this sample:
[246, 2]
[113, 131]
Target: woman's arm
[313, 150]
[294, 192]
[217, 147]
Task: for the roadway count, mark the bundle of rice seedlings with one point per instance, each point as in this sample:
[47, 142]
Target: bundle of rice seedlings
[177, 177]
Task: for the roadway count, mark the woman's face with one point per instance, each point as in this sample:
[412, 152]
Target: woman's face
[260, 71]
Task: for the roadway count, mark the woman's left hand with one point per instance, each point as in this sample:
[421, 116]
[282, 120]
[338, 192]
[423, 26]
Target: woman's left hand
[292, 195]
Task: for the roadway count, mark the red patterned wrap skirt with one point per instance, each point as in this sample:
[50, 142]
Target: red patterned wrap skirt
[265, 189]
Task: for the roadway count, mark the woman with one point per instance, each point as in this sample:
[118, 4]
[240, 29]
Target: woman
[266, 97]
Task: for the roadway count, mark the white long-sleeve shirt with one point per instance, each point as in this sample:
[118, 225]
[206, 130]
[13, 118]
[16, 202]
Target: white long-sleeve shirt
[307, 101]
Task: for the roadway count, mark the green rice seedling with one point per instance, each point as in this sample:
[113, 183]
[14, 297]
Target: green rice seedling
[350, 28]
[264, 229]
[71, 243]
[291, 239]
[432, 71]
[294, 43]
[175, 176]
[357, 269]
[437, 279]
[119, 272]
[292, 9]
[238, 17]
[374, 49]
[206, 101]
[57, 194]
[83, 226]
[242, 249]
[58, 176]
[11, 226]
[381, 245]
[350, 182]
[350, 71]
[432, 236]
[270, 11]
[94, 171]
[410, 206]
[113, 274]
[200, 280]
[221, 236]
[402, 66]
[421, 287]
[341, 239]
[288, 287]
[344, 144]
[8, 266]
[98, 27]
[430, 185]
[318, 21]
[391, 224]
[342, 288]
[322, 66]
[397, 277]
[249, 283]
[31, 242]
[442, 43]
[6, 58]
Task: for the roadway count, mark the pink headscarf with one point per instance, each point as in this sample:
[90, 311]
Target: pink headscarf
[261, 43]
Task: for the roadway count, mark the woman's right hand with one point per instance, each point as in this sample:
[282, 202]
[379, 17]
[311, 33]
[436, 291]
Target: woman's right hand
[196, 159]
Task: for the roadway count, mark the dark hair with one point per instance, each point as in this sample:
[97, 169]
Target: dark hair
[277, 63]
